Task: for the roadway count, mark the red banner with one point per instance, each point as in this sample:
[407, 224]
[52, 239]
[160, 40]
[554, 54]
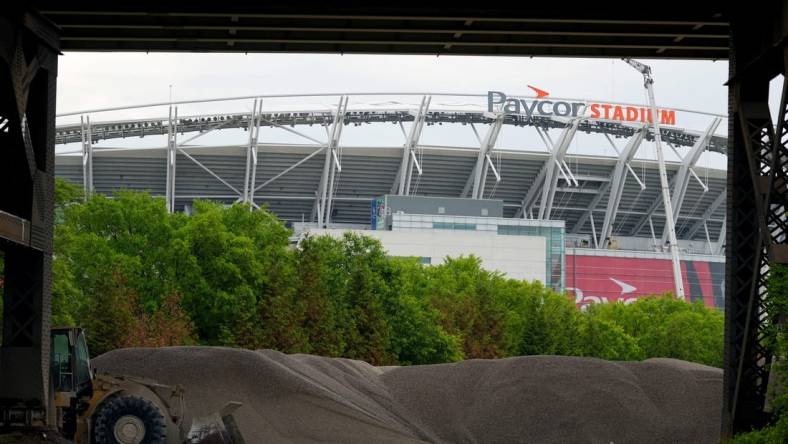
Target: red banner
[602, 279]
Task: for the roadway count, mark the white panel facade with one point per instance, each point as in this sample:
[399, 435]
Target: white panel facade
[518, 257]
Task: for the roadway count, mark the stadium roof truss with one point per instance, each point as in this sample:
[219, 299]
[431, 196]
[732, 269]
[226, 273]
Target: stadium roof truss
[326, 182]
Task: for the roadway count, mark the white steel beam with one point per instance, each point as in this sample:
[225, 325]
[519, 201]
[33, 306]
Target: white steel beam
[551, 178]
[482, 166]
[172, 144]
[591, 207]
[326, 188]
[720, 249]
[403, 178]
[547, 171]
[653, 235]
[683, 175]
[335, 166]
[251, 152]
[618, 180]
[688, 162]
[291, 130]
[708, 239]
[87, 156]
[529, 200]
[208, 170]
[176, 147]
[291, 168]
[652, 209]
[615, 176]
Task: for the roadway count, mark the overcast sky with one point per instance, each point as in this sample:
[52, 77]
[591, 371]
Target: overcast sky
[96, 80]
[92, 80]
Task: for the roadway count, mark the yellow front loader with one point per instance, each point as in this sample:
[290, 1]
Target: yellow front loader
[91, 408]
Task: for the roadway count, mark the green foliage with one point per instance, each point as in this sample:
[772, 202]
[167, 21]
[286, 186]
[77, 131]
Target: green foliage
[548, 323]
[777, 341]
[223, 265]
[66, 193]
[416, 335]
[467, 298]
[604, 339]
[667, 327]
[134, 274]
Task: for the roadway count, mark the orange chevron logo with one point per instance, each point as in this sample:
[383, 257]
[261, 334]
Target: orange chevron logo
[539, 92]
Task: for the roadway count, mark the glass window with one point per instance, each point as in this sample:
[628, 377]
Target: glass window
[82, 361]
[62, 376]
[554, 246]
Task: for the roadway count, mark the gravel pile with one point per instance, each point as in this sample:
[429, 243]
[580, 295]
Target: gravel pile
[303, 398]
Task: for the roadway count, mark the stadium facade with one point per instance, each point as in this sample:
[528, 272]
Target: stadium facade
[566, 194]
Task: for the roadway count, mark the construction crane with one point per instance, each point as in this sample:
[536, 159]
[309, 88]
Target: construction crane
[648, 83]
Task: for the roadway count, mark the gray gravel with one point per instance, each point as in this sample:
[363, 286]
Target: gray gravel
[304, 398]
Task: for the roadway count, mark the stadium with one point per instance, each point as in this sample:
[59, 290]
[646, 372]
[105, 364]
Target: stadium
[561, 190]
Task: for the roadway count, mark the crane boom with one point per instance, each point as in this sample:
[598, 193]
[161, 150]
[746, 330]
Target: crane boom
[648, 83]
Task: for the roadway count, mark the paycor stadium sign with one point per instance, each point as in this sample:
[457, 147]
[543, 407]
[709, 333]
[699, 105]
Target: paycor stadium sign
[542, 107]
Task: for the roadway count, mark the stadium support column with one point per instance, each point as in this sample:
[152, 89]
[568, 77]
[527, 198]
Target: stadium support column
[551, 176]
[251, 152]
[325, 193]
[548, 170]
[683, 175]
[757, 198]
[87, 156]
[617, 181]
[172, 146]
[28, 70]
[483, 160]
[603, 190]
[405, 173]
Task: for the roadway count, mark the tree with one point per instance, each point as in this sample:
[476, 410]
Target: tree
[364, 263]
[168, 325]
[108, 314]
[600, 338]
[134, 274]
[218, 261]
[416, 336]
[664, 326]
[467, 297]
[323, 302]
[777, 341]
[549, 321]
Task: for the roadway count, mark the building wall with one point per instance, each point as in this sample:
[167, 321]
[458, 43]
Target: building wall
[518, 257]
[552, 231]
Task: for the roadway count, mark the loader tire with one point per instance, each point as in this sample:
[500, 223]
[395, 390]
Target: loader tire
[129, 420]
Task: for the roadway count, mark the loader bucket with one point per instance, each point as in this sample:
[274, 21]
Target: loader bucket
[216, 428]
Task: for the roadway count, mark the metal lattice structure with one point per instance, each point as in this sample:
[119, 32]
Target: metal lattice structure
[327, 182]
[758, 180]
[28, 68]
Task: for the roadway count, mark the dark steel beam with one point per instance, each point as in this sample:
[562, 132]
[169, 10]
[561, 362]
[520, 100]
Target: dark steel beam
[756, 221]
[598, 30]
[28, 70]
[14, 229]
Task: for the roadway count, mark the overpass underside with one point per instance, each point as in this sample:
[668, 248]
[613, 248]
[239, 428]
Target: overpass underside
[752, 38]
